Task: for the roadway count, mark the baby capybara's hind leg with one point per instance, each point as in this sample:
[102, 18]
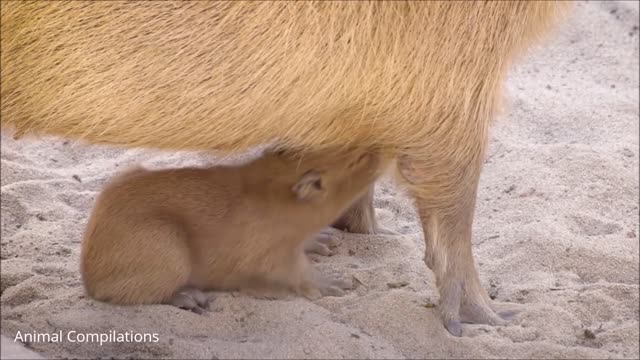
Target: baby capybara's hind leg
[191, 299]
[445, 194]
[146, 265]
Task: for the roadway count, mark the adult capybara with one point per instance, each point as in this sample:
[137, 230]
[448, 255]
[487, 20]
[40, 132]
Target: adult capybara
[418, 80]
[162, 236]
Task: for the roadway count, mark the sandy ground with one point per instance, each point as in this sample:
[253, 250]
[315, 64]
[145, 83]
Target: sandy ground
[556, 230]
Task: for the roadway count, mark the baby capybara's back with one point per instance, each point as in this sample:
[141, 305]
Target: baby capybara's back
[133, 219]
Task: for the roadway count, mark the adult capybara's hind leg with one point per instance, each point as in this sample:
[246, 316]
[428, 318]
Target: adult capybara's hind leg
[445, 193]
[360, 218]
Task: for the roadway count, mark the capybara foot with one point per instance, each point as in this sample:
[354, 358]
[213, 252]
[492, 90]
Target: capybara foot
[479, 313]
[321, 244]
[310, 293]
[190, 299]
[507, 311]
[470, 314]
[321, 287]
[360, 218]
[382, 230]
[454, 327]
[334, 287]
[371, 227]
[468, 304]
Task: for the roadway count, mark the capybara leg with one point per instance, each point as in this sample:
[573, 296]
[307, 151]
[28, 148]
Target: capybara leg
[146, 265]
[445, 198]
[321, 244]
[304, 280]
[191, 299]
[361, 217]
[449, 255]
[139, 289]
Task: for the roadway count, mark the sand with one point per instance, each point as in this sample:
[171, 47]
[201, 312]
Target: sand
[556, 230]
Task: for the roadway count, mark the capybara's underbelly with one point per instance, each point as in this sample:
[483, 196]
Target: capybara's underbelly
[228, 75]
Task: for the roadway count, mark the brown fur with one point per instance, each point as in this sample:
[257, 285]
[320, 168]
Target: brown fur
[420, 80]
[154, 233]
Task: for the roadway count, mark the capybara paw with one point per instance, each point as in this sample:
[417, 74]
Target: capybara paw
[311, 293]
[328, 237]
[332, 291]
[454, 327]
[319, 248]
[507, 311]
[479, 313]
[320, 287]
[190, 299]
[450, 315]
[382, 230]
[321, 244]
[342, 284]
[335, 287]
[374, 229]
[469, 313]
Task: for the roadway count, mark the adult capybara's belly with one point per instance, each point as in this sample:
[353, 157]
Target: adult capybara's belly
[228, 75]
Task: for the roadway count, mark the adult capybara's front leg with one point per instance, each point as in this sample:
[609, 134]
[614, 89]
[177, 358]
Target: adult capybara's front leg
[361, 217]
[445, 193]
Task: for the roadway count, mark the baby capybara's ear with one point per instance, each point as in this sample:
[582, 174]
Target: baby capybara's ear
[309, 186]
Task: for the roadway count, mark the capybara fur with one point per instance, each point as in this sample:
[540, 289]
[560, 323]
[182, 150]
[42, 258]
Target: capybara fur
[158, 236]
[420, 81]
